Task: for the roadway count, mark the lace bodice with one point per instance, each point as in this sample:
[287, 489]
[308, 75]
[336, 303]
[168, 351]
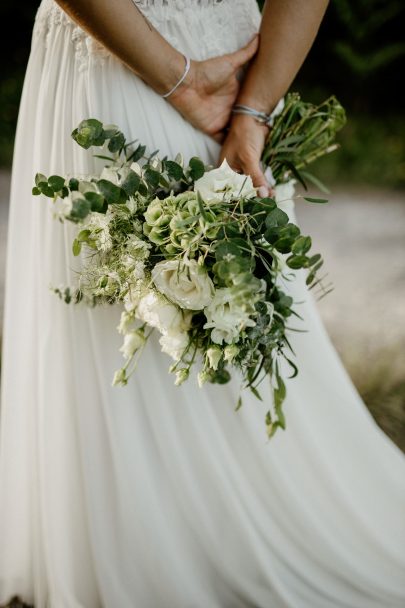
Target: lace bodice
[199, 28]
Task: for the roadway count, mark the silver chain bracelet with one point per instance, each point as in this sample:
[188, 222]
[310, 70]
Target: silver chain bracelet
[186, 70]
[262, 117]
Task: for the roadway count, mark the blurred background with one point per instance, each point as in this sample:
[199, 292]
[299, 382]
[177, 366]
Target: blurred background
[358, 56]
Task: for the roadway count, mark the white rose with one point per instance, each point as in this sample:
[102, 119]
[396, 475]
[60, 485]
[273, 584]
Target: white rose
[226, 318]
[184, 282]
[155, 310]
[224, 182]
[173, 344]
[133, 341]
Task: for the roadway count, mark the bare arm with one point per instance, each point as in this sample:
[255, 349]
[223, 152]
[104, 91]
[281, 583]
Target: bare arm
[206, 95]
[122, 28]
[287, 32]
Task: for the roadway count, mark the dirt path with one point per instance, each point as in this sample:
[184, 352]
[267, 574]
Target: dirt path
[361, 234]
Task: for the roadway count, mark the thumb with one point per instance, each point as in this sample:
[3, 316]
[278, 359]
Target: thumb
[244, 54]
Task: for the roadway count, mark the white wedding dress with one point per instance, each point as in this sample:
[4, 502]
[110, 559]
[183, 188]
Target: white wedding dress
[153, 496]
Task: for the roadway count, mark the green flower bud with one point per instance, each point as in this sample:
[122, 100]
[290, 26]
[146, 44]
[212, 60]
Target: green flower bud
[120, 378]
[181, 376]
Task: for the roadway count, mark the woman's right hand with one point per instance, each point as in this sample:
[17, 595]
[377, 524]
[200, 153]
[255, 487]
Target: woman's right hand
[207, 95]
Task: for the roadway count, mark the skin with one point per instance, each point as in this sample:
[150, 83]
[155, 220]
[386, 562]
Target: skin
[287, 31]
[205, 97]
[257, 75]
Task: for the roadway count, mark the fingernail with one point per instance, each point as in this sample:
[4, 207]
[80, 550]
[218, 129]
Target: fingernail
[263, 191]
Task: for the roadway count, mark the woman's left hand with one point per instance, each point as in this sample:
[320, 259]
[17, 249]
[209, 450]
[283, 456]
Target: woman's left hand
[243, 147]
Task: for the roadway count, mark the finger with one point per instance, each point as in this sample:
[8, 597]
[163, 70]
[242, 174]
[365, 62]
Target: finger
[246, 53]
[259, 180]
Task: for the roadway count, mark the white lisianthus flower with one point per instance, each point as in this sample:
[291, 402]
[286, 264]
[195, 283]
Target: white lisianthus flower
[184, 282]
[174, 344]
[125, 323]
[155, 310]
[224, 182]
[214, 354]
[63, 207]
[226, 317]
[230, 352]
[132, 298]
[133, 341]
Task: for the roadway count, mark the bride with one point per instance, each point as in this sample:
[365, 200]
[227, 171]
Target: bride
[156, 496]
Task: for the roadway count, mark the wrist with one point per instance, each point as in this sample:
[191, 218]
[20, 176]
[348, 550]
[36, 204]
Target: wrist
[178, 77]
[246, 122]
[259, 103]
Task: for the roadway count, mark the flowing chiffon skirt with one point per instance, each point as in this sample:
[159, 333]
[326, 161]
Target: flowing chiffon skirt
[156, 496]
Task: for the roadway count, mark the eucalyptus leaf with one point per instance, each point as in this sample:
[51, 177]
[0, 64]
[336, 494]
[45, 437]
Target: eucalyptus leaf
[110, 191]
[76, 247]
[302, 245]
[137, 154]
[297, 261]
[131, 183]
[276, 217]
[312, 199]
[117, 142]
[56, 182]
[97, 201]
[89, 133]
[174, 170]
[197, 168]
[80, 209]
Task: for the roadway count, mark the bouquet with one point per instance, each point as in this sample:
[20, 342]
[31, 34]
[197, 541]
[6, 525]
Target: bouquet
[193, 253]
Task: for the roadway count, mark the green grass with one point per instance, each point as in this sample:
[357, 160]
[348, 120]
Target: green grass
[380, 380]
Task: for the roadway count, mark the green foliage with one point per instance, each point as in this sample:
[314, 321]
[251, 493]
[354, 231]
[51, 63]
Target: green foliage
[301, 133]
[361, 47]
